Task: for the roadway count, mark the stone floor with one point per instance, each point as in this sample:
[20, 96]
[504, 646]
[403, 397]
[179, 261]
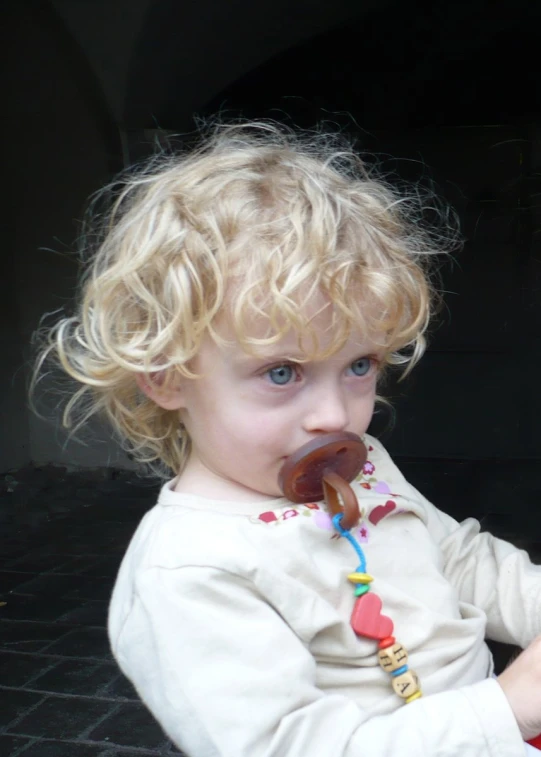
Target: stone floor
[60, 691]
[63, 536]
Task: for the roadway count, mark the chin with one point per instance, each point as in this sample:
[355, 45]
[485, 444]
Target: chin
[271, 491]
[258, 490]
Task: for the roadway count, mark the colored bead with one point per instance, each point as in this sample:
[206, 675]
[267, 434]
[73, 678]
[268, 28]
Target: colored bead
[406, 685]
[367, 620]
[360, 578]
[399, 671]
[393, 657]
[361, 589]
[413, 697]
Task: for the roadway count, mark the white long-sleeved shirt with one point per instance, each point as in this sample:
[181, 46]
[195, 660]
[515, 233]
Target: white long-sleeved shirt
[233, 623]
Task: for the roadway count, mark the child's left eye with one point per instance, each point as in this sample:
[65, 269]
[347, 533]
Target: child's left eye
[282, 374]
[361, 366]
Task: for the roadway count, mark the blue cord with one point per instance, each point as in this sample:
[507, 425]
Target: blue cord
[352, 540]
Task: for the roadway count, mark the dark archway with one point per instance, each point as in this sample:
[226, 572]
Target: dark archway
[398, 68]
[187, 53]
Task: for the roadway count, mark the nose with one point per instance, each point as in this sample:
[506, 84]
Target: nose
[327, 413]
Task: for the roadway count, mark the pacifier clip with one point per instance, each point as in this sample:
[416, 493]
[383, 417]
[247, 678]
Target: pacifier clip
[368, 621]
[322, 469]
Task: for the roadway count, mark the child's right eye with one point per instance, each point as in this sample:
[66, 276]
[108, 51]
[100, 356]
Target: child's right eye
[282, 374]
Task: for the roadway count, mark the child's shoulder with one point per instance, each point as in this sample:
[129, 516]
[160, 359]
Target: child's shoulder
[380, 461]
[381, 475]
[181, 531]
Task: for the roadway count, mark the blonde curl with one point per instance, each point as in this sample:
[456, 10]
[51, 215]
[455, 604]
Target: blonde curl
[258, 219]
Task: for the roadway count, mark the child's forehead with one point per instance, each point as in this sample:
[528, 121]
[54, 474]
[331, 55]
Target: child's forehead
[311, 327]
[255, 324]
[259, 339]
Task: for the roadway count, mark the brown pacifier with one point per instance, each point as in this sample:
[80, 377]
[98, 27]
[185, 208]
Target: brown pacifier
[322, 469]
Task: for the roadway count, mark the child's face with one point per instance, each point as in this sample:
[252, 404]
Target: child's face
[246, 414]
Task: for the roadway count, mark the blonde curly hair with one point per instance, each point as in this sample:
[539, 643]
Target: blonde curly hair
[257, 219]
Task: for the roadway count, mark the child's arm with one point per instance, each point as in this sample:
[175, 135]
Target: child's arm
[521, 683]
[227, 677]
[487, 572]
[501, 580]
[496, 577]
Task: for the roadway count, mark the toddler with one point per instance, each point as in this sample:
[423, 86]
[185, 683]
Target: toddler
[243, 300]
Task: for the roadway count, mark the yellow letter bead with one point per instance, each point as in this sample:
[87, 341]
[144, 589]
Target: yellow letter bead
[392, 658]
[360, 578]
[406, 684]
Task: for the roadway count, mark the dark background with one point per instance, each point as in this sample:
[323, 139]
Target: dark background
[446, 94]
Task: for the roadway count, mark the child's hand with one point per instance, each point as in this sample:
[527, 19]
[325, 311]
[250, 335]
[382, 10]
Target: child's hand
[521, 683]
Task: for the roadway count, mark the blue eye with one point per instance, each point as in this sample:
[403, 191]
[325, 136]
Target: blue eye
[282, 374]
[361, 366]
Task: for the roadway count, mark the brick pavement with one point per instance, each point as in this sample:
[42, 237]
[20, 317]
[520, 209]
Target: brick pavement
[61, 693]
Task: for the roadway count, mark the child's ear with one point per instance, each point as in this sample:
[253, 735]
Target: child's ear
[171, 398]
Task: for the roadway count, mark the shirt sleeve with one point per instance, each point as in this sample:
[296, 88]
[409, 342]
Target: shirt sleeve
[225, 676]
[490, 574]
[498, 578]
[487, 572]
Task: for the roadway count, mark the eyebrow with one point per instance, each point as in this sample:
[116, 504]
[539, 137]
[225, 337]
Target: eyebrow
[245, 358]
[295, 356]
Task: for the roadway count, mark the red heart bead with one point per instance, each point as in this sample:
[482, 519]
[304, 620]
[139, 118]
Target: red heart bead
[381, 511]
[367, 620]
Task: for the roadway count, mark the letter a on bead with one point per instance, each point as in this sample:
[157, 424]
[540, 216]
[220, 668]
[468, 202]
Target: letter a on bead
[367, 620]
[407, 684]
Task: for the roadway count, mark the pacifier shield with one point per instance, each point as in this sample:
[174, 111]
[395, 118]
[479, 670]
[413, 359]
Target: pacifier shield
[301, 475]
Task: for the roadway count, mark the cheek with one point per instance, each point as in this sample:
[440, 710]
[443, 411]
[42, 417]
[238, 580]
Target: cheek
[365, 409]
[236, 423]
[254, 432]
